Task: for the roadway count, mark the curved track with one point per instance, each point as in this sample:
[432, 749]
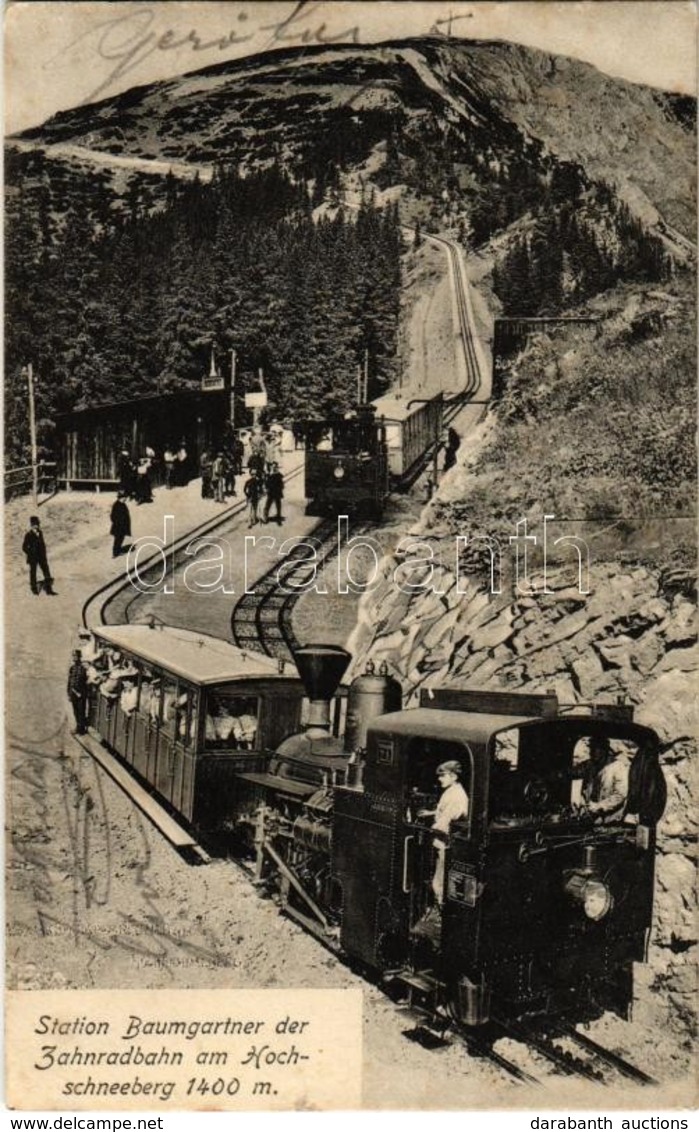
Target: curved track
[113, 601]
[261, 619]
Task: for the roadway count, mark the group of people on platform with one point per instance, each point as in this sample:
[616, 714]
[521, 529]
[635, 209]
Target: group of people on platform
[218, 471]
[136, 472]
[135, 475]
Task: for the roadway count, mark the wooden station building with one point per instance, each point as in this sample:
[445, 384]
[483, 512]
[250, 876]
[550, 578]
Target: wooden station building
[90, 441]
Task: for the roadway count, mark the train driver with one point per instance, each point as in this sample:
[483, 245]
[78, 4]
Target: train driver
[451, 807]
[605, 779]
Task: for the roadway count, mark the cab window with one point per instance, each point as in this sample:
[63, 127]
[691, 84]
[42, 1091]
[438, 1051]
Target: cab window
[424, 786]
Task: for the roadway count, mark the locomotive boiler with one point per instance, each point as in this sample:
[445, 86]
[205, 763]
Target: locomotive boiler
[329, 793]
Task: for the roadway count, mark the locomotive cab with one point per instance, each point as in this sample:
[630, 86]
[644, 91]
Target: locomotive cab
[346, 464]
[546, 896]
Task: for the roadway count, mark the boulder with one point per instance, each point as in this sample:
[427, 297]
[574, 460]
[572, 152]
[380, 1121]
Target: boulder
[668, 704]
[587, 670]
[616, 651]
[646, 652]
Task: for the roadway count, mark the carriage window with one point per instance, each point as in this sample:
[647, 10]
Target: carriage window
[506, 749]
[168, 705]
[185, 715]
[384, 752]
[505, 784]
[231, 722]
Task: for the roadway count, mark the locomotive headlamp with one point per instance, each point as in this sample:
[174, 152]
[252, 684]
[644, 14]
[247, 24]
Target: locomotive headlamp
[339, 471]
[592, 894]
[597, 900]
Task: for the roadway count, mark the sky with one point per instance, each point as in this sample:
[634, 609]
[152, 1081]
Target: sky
[64, 53]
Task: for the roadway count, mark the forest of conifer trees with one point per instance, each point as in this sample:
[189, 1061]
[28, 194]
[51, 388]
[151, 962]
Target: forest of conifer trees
[111, 305]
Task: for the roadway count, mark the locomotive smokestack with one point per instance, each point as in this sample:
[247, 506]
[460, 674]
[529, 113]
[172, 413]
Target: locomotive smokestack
[321, 667]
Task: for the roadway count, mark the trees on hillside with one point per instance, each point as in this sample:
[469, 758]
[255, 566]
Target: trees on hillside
[112, 312]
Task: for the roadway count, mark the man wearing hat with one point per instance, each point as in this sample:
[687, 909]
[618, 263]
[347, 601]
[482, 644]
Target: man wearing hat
[77, 692]
[34, 549]
[452, 806]
[275, 494]
[121, 524]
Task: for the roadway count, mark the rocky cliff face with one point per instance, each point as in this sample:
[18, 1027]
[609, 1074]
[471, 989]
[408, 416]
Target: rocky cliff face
[632, 635]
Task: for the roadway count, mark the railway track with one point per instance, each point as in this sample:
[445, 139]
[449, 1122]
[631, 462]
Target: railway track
[464, 315]
[561, 1047]
[573, 1053]
[113, 601]
[261, 619]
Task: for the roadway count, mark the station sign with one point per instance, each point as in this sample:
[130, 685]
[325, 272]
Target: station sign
[257, 400]
[212, 382]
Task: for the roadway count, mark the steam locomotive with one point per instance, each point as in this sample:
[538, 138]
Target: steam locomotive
[324, 788]
[352, 464]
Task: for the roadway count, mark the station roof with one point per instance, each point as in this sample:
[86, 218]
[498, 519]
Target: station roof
[193, 656]
[181, 397]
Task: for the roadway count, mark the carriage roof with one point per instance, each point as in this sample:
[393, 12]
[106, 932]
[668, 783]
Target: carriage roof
[193, 656]
[397, 408]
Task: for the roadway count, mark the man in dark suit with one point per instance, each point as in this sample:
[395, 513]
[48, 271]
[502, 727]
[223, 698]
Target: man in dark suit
[77, 692]
[121, 524]
[34, 549]
[275, 494]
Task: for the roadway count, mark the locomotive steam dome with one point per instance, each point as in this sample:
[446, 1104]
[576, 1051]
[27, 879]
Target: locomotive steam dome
[370, 695]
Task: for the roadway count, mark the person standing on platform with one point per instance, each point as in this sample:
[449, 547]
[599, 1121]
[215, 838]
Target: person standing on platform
[127, 474]
[238, 454]
[253, 492]
[144, 490]
[182, 465]
[218, 477]
[77, 692]
[169, 461]
[275, 494]
[206, 473]
[121, 524]
[34, 549]
[229, 470]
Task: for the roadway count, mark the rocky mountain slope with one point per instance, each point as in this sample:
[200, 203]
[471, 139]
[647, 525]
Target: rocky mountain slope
[490, 105]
